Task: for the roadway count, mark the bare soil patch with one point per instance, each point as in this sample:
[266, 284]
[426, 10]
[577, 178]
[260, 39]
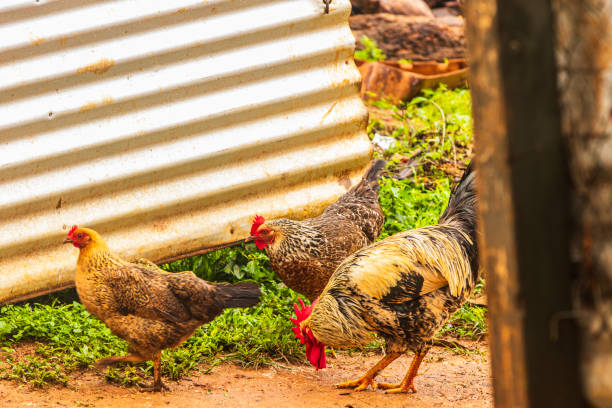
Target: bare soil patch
[446, 380]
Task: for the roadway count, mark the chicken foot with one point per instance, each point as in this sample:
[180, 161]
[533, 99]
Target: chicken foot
[368, 378]
[157, 386]
[407, 383]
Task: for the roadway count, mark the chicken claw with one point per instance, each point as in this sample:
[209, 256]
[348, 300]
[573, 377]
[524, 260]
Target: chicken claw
[407, 383]
[358, 385]
[153, 387]
[396, 388]
[368, 378]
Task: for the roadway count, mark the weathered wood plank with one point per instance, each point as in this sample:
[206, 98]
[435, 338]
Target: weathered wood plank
[524, 205]
[584, 52]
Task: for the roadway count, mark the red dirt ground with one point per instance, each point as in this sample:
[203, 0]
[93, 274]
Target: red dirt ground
[446, 380]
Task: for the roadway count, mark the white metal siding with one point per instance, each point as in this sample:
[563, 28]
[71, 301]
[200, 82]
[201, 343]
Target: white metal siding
[166, 125]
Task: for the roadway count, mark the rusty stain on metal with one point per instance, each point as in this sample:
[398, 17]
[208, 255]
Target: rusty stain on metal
[328, 112]
[91, 105]
[37, 40]
[97, 68]
[211, 127]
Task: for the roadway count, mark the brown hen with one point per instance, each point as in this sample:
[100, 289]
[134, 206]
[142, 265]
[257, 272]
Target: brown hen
[305, 253]
[149, 308]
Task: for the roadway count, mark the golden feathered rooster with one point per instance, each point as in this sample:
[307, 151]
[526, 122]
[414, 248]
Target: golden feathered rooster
[149, 308]
[404, 288]
[305, 253]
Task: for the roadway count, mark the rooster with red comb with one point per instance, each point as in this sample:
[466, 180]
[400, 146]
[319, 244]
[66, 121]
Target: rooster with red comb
[404, 287]
[305, 253]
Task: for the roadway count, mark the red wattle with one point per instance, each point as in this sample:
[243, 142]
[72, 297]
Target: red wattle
[260, 244]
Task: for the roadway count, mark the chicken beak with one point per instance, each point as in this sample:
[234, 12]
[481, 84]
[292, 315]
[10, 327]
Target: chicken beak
[66, 241]
[250, 238]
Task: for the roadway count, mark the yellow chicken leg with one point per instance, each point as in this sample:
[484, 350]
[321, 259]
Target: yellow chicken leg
[407, 383]
[368, 378]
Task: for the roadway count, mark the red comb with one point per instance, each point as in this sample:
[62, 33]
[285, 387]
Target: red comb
[256, 223]
[301, 315]
[74, 227]
[315, 350]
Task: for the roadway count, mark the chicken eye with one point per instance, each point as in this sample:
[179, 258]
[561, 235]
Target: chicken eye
[264, 231]
[80, 235]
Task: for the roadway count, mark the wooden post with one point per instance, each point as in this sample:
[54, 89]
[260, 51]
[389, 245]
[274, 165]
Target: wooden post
[524, 205]
[584, 35]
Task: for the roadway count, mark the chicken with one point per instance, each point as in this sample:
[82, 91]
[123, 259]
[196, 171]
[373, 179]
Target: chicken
[305, 253]
[149, 308]
[404, 287]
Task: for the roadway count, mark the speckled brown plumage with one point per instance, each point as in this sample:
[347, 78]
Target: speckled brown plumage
[149, 308]
[305, 253]
[404, 287]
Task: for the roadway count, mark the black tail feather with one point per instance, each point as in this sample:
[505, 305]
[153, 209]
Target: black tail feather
[370, 179]
[243, 294]
[462, 202]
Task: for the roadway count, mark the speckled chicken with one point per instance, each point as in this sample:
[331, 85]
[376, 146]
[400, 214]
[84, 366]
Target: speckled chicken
[149, 308]
[404, 288]
[305, 253]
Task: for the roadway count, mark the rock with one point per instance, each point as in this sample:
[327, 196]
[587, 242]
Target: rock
[403, 7]
[442, 12]
[383, 142]
[365, 6]
[447, 17]
[411, 38]
[397, 81]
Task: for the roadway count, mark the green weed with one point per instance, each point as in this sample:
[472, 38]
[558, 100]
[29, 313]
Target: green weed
[229, 265]
[370, 52]
[408, 204]
[32, 369]
[435, 128]
[469, 322]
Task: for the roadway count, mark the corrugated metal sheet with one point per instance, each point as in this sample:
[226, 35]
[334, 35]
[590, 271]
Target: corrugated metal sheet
[166, 125]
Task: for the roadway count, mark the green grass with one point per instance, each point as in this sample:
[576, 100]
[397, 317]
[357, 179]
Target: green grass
[422, 133]
[469, 322]
[417, 127]
[408, 204]
[370, 51]
[44, 343]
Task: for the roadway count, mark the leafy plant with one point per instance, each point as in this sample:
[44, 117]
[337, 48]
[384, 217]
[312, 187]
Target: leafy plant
[436, 125]
[468, 322]
[228, 264]
[407, 205]
[34, 370]
[370, 52]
